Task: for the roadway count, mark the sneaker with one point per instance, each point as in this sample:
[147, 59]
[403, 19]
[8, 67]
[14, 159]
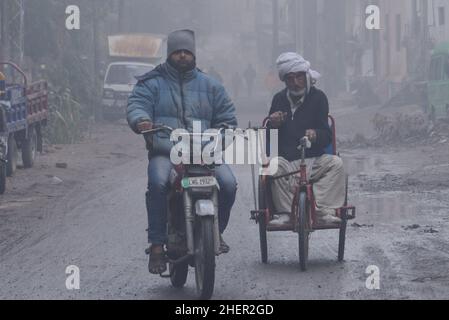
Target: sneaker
[281, 219]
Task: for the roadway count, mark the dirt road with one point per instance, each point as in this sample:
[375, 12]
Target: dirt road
[91, 214]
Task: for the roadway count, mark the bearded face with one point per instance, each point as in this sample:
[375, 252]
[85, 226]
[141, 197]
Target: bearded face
[182, 60]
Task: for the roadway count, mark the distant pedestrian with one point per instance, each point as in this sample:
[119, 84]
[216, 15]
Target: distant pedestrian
[271, 81]
[236, 84]
[250, 76]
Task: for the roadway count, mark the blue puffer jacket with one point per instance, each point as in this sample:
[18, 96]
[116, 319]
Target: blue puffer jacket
[165, 96]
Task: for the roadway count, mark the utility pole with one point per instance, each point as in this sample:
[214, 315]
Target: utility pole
[339, 36]
[309, 29]
[297, 18]
[3, 41]
[261, 29]
[16, 30]
[96, 102]
[425, 50]
[12, 30]
[376, 49]
[121, 15]
[275, 29]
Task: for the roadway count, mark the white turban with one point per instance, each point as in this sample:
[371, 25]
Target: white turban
[289, 62]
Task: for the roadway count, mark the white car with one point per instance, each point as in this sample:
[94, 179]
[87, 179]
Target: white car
[119, 82]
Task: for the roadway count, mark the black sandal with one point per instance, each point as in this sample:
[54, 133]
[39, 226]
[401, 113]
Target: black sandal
[158, 261]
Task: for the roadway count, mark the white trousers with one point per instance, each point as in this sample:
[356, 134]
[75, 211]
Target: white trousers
[327, 175]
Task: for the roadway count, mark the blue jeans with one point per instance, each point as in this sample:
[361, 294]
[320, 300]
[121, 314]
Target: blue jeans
[159, 169]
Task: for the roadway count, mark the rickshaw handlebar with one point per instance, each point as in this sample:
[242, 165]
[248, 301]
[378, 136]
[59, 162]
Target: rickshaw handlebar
[305, 143]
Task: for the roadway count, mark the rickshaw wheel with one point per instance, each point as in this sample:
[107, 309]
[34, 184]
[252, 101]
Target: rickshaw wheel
[344, 222]
[303, 231]
[262, 224]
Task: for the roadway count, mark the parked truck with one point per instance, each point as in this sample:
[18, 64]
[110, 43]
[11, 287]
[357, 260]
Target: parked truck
[130, 55]
[23, 114]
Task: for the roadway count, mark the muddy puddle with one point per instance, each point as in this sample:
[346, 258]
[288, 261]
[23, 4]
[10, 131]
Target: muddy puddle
[377, 207]
[385, 208]
[369, 162]
[355, 165]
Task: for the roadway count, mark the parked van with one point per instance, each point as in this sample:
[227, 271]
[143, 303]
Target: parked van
[438, 85]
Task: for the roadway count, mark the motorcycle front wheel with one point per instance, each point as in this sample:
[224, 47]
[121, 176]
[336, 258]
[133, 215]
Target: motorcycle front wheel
[204, 257]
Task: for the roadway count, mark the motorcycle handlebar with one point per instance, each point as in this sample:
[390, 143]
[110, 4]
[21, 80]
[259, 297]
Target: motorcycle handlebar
[156, 129]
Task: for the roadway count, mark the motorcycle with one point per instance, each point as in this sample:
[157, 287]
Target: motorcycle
[192, 222]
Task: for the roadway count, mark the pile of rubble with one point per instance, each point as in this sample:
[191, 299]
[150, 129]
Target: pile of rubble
[399, 128]
[438, 132]
[402, 129]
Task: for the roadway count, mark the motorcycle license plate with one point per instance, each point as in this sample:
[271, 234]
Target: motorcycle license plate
[198, 182]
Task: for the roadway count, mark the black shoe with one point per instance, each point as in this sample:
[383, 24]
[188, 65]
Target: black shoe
[224, 248]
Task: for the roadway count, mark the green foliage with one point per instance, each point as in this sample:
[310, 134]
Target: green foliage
[65, 119]
[65, 58]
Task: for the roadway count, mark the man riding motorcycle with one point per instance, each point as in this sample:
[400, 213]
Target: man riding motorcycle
[297, 111]
[176, 93]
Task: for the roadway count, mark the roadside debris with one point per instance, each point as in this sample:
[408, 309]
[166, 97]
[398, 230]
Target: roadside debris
[356, 225]
[429, 278]
[430, 230]
[401, 129]
[411, 92]
[61, 165]
[411, 227]
[56, 180]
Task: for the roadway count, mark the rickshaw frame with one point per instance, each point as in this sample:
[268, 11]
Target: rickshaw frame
[303, 218]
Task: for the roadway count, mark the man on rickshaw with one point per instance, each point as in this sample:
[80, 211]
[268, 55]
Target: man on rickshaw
[297, 111]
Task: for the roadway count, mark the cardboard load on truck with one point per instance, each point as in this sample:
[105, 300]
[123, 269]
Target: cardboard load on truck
[139, 46]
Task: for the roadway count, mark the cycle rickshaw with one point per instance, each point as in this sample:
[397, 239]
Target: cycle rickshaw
[303, 210]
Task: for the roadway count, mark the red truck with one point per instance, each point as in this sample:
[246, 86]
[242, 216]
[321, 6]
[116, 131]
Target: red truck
[23, 114]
